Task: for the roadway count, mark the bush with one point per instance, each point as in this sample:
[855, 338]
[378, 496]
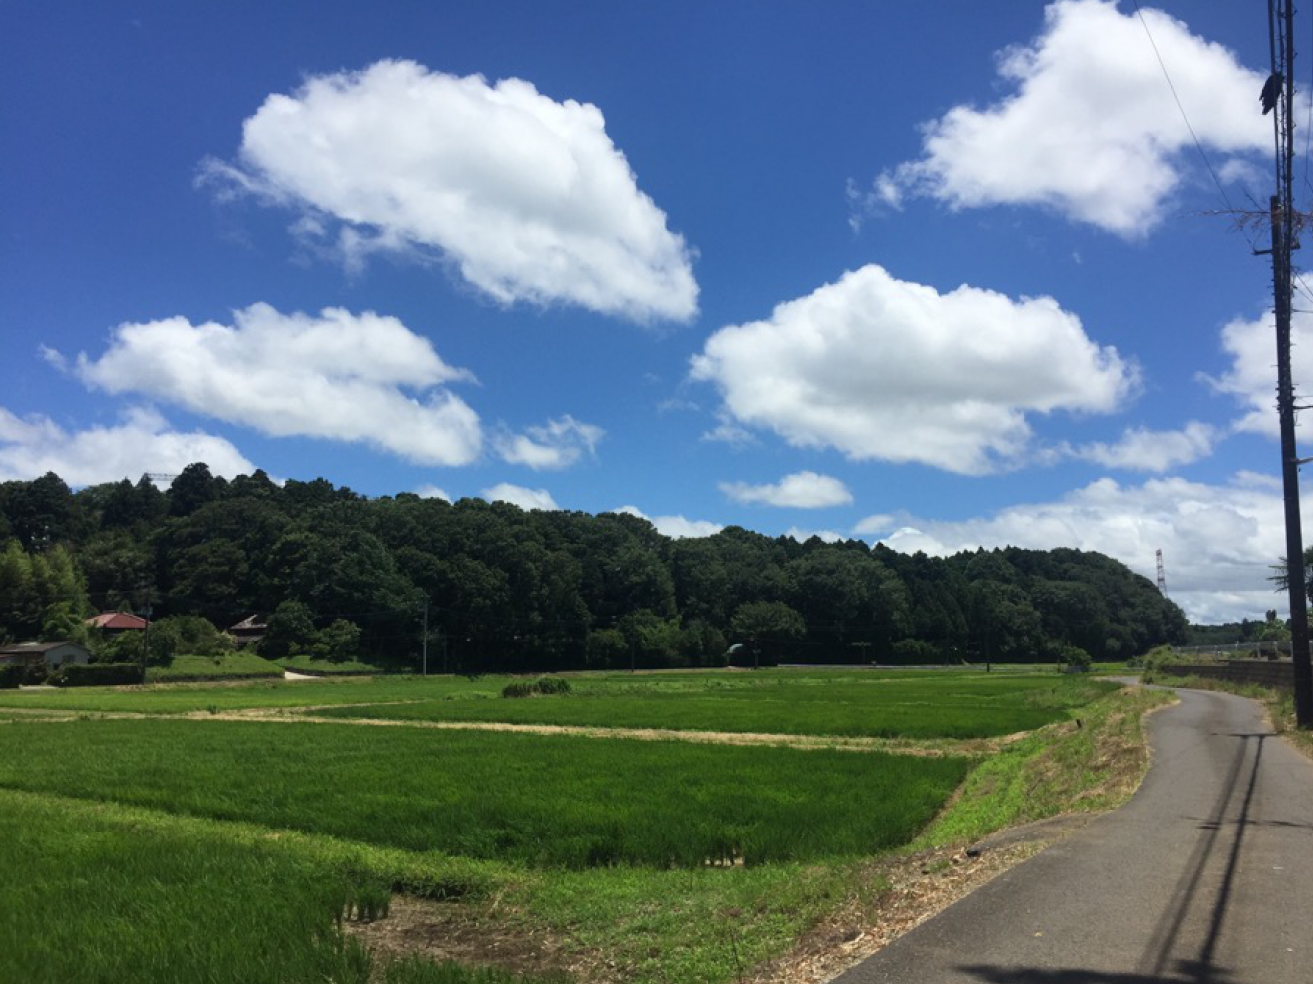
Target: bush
[189, 635]
[95, 674]
[11, 675]
[545, 686]
[916, 651]
[1075, 658]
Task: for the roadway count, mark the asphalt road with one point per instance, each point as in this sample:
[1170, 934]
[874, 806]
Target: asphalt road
[1205, 876]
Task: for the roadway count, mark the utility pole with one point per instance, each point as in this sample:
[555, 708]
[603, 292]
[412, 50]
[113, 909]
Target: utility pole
[425, 641]
[145, 646]
[1281, 17]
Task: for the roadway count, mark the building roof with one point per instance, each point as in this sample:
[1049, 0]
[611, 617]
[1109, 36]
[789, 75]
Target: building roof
[27, 648]
[252, 623]
[117, 620]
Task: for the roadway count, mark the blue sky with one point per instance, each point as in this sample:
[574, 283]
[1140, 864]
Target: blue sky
[940, 275]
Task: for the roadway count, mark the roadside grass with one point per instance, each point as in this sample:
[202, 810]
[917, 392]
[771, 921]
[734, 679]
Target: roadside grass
[240, 664]
[561, 801]
[1090, 766]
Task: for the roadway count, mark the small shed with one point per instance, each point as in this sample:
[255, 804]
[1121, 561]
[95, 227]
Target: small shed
[52, 654]
[249, 631]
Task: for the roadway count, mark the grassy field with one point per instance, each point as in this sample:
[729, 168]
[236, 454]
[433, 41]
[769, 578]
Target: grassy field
[192, 849]
[947, 706]
[566, 801]
[903, 703]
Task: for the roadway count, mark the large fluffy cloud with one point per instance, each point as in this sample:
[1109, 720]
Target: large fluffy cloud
[885, 369]
[341, 376]
[1091, 127]
[527, 197]
[1219, 542]
[801, 490]
[141, 442]
[1252, 378]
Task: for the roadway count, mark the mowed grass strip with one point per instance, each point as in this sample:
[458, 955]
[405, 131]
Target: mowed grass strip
[560, 801]
[962, 707]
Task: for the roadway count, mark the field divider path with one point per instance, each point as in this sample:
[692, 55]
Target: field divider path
[925, 748]
[932, 748]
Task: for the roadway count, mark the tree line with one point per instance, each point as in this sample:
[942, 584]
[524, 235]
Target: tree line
[487, 586]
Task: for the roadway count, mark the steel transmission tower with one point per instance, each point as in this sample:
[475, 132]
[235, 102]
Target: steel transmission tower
[1162, 575]
[1279, 96]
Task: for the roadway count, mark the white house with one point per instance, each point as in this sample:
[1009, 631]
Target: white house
[53, 654]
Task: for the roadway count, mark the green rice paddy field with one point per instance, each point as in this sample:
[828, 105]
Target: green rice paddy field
[164, 845]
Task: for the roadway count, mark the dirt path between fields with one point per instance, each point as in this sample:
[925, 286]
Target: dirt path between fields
[931, 748]
[935, 748]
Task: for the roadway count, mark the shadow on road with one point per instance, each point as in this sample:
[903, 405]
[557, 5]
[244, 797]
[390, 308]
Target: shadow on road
[1162, 962]
[1025, 975]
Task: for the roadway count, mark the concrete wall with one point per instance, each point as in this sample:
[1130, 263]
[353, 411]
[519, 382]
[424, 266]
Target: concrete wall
[1266, 673]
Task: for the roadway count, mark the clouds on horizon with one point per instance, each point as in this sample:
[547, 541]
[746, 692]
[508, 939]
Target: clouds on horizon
[1219, 541]
[141, 442]
[675, 527]
[337, 376]
[526, 197]
[890, 370]
[1090, 128]
[518, 495]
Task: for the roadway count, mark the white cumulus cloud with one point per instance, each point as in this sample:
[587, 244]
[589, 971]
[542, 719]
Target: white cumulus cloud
[556, 444]
[525, 196]
[801, 490]
[430, 491]
[1219, 542]
[1252, 378]
[883, 369]
[1141, 449]
[141, 442]
[1090, 127]
[675, 527]
[518, 495]
[340, 376]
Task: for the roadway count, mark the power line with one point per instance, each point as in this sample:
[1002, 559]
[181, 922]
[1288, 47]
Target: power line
[1185, 117]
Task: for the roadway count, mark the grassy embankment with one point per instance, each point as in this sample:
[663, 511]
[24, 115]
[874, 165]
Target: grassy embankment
[327, 667]
[363, 807]
[240, 665]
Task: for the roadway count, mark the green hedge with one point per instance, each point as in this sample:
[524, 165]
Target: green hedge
[11, 675]
[95, 674]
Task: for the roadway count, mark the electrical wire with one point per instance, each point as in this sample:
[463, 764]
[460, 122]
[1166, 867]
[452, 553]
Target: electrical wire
[1186, 118]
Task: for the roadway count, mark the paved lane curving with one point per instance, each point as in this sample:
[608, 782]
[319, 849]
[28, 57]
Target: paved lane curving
[1204, 877]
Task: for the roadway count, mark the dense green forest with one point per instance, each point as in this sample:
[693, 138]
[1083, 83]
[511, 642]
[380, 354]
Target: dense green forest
[501, 588]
